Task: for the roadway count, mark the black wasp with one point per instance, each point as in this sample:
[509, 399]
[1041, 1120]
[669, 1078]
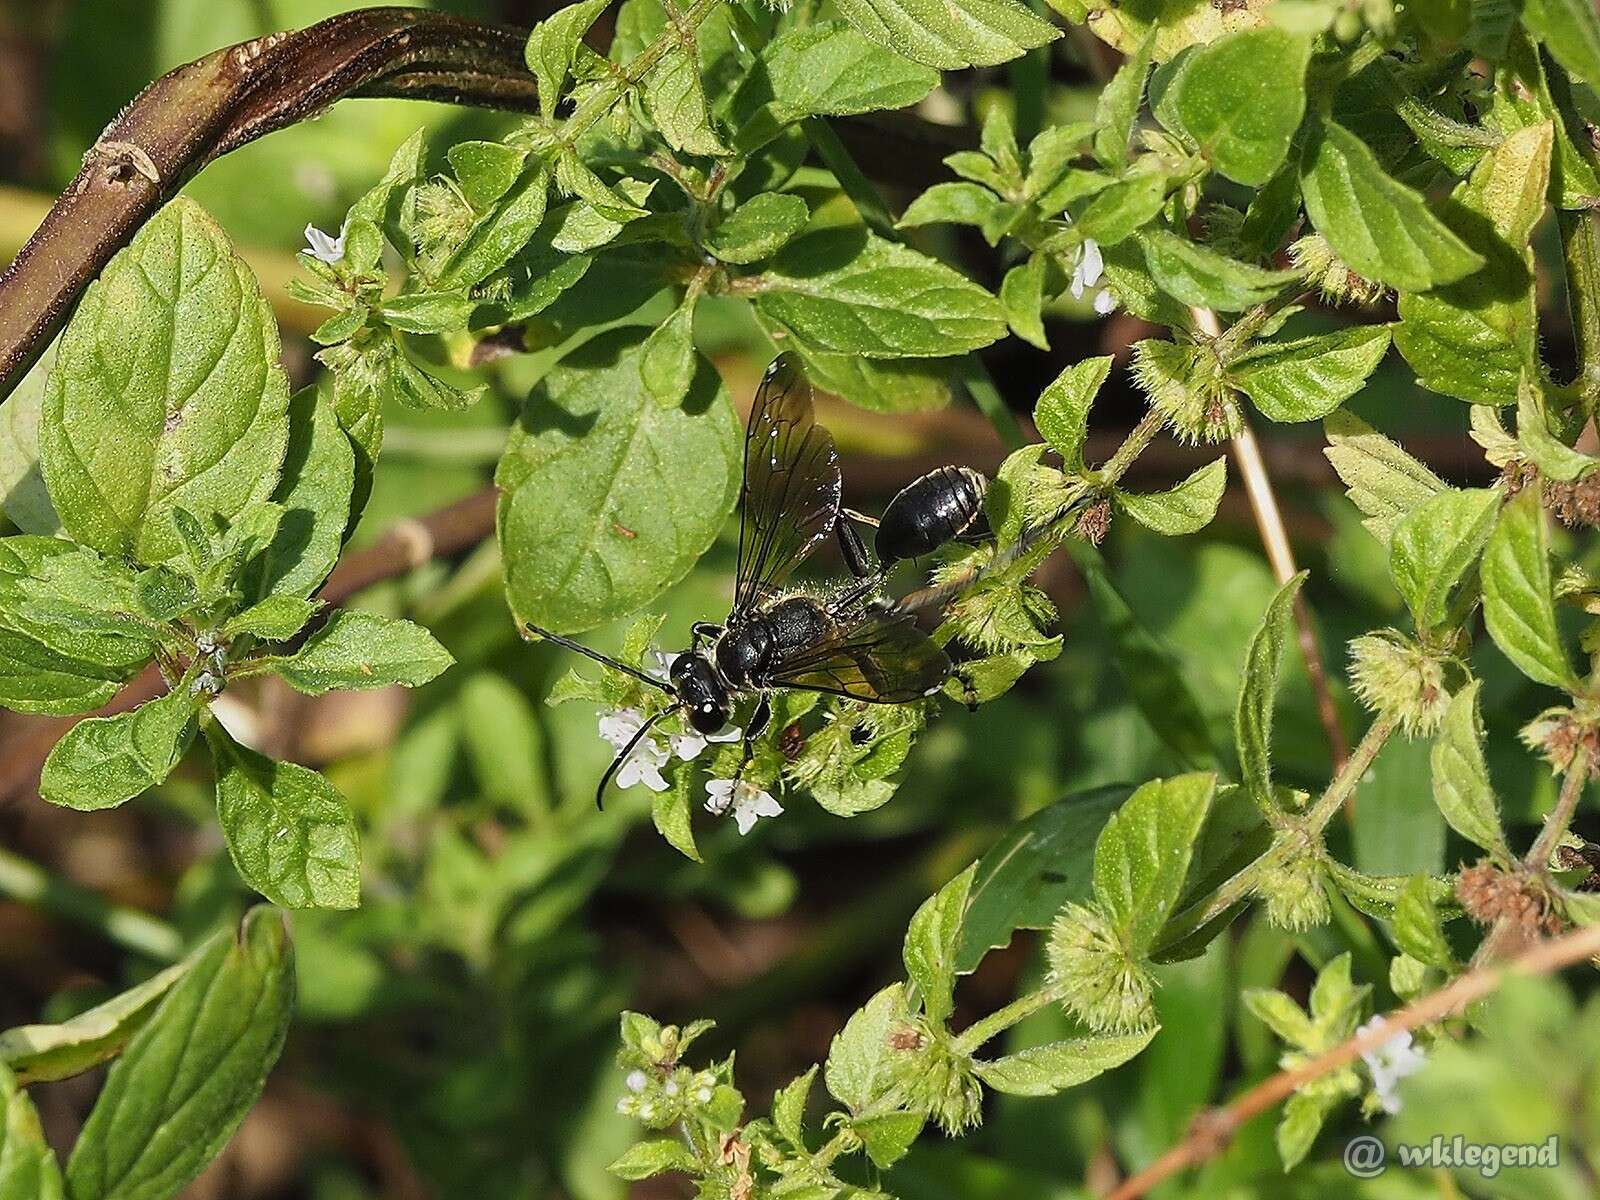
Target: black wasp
[850, 642]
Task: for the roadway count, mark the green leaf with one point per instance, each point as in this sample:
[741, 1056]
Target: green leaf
[1038, 865]
[429, 312]
[1022, 296]
[1555, 459]
[667, 361]
[1306, 379]
[1461, 786]
[1518, 605]
[318, 481]
[1381, 228]
[275, 619]
[597, 516]
[1056, 1066]
[880, 384]
[35, 679]
[1382, 480]
[1282, 1015]
[1062, 413]
[824, 69]
[1142, 856]
[174, 1098]
[73, 603]
[655, 1157]
[1526, 94]
[1417, 928]
[951, 35]
[1242, 98]
[1200, 276]
[1148, 668]
[1435, 545]
[1302, 1120]
[28, 1168]
[166, 392]
[104, 761]
[43, 1053]
[1570, 30]
[672, 813]
[1252, 722]
[789, 1108]
[486, 170]
[1187, 508]
[957, 203]
[23, 494]
[758, 228]
[932, 940]
[676, 96]
[1120, 211]
[498, 235]
[858, 1068]
[553, 45]
[888, 1137]
[1118, 107]
[846, 292]
[357, 651]
[290, 833]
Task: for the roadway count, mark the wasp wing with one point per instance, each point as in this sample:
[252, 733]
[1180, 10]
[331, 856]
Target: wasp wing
[792, 487]
[877, 655]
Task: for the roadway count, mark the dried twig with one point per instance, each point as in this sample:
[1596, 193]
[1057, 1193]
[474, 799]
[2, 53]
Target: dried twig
[1211, 1130]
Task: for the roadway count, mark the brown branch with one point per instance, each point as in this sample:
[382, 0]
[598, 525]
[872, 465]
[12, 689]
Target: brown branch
[203, 110]
[1212, 1130]
[406, 546]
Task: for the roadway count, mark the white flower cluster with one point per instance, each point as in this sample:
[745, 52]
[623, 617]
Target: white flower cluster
[747, 802]
[661, 1102]
[1390, 1062]
[323, 248]
[1086, 272]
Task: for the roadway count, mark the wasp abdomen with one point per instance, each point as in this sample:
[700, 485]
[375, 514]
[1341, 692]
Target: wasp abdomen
[944, 505]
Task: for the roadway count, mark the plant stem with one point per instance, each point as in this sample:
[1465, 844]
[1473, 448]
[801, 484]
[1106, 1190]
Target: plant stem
[1580, 252]
[981, 387]
[132, 930]
[852, 180]
[1555, 825]
[982, 1030]
[1344, 782]
[1211, 1130]
[1132, 446]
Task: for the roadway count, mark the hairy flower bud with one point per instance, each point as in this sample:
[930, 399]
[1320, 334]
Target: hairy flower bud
[1337, 282]
[1294, 892]
[1558, 733]
[1393, 675]
[936, 1079]
[1185, 382]
[1100, 982]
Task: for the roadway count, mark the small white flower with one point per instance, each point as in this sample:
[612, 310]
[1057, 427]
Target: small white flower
[1104, 302]
[747, 802]
[688, 745]
[703, 1095]
[645, 760]
[663, 667]
[1390, 1062]
[1087, 270]
[670, 1087]
[323, 248]
[635, 1081]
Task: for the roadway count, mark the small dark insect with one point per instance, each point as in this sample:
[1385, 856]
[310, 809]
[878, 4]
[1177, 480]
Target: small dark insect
[1585, 858]
[623, 530]
[792, 741]
[850, 643]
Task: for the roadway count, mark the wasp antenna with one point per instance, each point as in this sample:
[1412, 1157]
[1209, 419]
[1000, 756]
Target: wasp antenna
[622, 757]
[580, 648]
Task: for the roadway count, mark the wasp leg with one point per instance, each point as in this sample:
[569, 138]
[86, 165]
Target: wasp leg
[760, 718]
[702, 631]
[854, 550]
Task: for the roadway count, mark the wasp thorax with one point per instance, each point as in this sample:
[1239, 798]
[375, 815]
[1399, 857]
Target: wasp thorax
[742, 652]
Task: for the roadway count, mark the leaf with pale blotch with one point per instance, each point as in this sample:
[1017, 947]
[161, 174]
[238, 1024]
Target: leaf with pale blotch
[1252, 722]
[1306, 379]
[1184, 509]
[1381, 479]
[933, 939]
[1242, 98]
[1054, 1067]
[167, 391]
[1518, 605]
[186, 1080]
[860, 1060]
[597, 515]
[1381, 228]
[290, 833]
[1142, 856]
[358, 651]
[951, 35]
[104, 761]
[1434, 547]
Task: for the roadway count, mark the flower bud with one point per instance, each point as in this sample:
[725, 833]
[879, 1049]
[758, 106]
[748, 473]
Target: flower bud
[1294, 892]
[1394, 676]
[1185, 382]
[1100, 982]
[1337, 282]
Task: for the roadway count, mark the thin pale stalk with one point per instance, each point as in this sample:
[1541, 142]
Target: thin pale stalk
[126, 927]
[1555, 825]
